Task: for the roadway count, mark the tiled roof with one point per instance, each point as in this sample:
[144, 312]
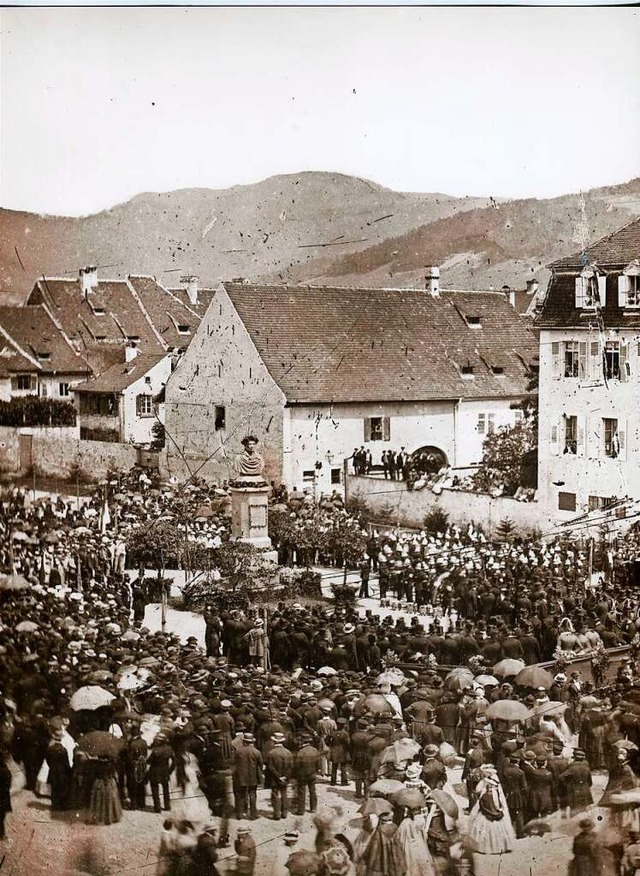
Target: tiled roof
[618, 248]
[167, 311]
[123, 317]
[30, 330]
[205, 297]
[120, 376]
[339, 344]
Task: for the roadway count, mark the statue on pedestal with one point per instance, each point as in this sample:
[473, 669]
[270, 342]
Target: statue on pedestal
[249, 462]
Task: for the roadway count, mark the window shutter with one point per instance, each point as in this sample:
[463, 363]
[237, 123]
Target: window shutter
[555, 360]
[491, 426]
[625, 370]
[622, 439]
[595, 363]
[580, 291]
[554, 440]
[138, 406]
[581, 437]
[386, 428]
[481, 424]
[602, 290]
[623, 290]
[367, 428]
[582, 359]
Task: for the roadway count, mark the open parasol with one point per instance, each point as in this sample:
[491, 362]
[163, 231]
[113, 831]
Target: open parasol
[375, 806]
[533, 676]
[376, 704]
[410, 797]
[547, 710]
[508, 667]
[486, 680]
[327, 670]
[458, 679]
[13, 582]
[130, 636]
[19, 535]
[626, 745]
[400, 751]
[326, 703]
[392, 677]
[385, 787]
[27, 626]
[99, 743]
[90, 697]
[508, 710]
[445, 802]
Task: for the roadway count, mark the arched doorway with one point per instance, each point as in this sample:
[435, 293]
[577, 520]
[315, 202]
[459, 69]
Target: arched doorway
[429, 460]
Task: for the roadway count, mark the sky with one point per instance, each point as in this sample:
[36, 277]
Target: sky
[97, 105]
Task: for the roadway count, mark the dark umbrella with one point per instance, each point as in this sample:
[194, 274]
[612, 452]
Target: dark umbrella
[374, 806]
[99, 743]
[410, 797]
[375, 703]
[533, 676]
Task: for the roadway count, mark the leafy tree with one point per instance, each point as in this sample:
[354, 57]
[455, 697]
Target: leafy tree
[503, 454]
[158, 435]
[241, 565]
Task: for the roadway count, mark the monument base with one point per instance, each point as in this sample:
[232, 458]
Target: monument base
[249, 511]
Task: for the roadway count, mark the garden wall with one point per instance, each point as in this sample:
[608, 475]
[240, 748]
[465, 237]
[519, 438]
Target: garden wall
[392, 501]
[56, 452]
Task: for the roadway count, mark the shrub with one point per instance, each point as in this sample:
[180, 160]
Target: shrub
[31, 410]
[505, 529]
[435, 521]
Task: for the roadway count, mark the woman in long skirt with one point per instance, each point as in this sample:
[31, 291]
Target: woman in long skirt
[412, 837]
[490, 829]
[104, 804]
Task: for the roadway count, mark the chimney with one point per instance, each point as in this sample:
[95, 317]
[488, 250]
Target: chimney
[130, 352]
[432, 280]
[532, 286]
[510, 294]
[190, 284]
[88, 279]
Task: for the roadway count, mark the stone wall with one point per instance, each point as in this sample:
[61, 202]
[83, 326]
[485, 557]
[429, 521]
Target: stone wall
[406, 508]
[55, 452]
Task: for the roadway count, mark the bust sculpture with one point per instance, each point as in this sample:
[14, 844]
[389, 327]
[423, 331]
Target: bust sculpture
[249, 463]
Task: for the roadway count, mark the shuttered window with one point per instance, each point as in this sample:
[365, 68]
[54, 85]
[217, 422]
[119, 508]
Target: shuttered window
[377, 428]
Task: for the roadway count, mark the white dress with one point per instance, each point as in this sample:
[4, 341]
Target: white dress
[412, 836]
[490, 837]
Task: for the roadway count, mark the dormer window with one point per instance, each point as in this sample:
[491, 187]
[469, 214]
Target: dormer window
[629, 286]
[44, 357]
[133, 339]
[184, 329]
[467, 370]
[474, 321]
[98, 310]
[590, 290]
[498, 370]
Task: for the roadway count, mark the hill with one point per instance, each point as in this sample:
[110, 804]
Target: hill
[310, 227]
[246, 231]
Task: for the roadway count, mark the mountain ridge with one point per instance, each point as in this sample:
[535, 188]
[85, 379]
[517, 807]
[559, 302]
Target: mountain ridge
[309, 227]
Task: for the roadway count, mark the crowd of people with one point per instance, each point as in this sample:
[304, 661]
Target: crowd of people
[102, 716]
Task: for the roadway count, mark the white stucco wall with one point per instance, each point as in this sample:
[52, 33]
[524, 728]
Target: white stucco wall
[329, 434]
[469, 437]
[589, 472]
[135, 429]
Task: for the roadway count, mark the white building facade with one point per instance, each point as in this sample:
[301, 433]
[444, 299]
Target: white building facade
[589, 435]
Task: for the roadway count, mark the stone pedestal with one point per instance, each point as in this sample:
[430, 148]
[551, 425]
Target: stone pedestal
[249, 510]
